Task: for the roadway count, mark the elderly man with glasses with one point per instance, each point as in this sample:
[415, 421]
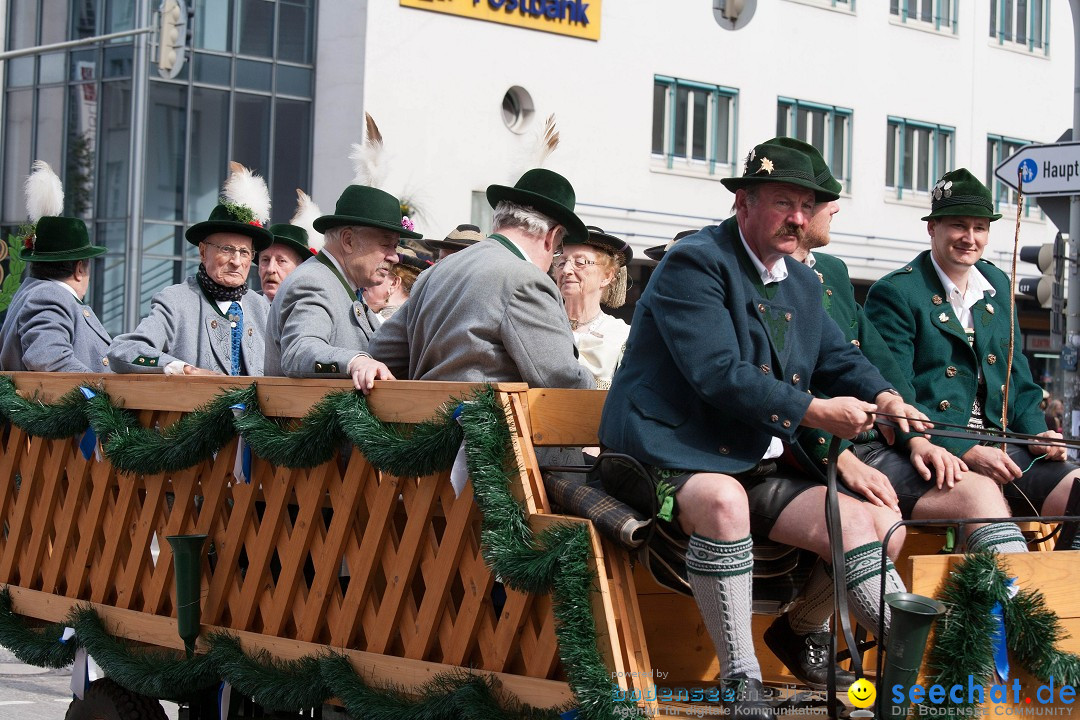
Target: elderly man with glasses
[209, 324]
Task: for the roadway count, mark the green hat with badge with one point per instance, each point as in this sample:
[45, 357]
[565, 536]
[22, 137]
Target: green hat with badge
[548, 193]
[368, 207]
[776, 162]
[49, 237]
[960, 193]
[822, 174]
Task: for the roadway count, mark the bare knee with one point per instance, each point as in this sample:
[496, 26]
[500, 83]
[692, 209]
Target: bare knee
[715, 506]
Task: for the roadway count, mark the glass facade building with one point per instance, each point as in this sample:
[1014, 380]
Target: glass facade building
[245, 93]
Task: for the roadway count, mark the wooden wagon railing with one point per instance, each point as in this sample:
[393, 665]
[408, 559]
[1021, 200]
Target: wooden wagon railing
[387, 570]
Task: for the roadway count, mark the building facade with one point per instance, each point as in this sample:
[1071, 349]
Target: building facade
[655, 103]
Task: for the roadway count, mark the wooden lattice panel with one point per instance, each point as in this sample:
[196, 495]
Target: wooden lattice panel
[338, 555]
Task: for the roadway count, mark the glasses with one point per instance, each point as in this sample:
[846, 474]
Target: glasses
[231, 250]
[579, 263]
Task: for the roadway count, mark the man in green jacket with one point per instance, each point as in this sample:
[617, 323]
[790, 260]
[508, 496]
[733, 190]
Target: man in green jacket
[945, 316]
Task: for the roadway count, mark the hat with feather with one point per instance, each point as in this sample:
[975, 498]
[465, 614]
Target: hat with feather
[49, 237]
[243, 208]
[298, 234]
[363, 203]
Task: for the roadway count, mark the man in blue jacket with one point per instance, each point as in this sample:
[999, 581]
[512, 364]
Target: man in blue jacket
[715, 383]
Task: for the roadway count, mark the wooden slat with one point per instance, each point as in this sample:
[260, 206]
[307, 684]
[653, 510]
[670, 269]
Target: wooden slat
[565, 417]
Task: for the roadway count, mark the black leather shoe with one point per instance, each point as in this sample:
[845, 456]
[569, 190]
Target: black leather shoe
[806, 656]
[745, 698]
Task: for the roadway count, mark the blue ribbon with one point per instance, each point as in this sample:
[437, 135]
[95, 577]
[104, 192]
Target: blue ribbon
[571, 714]
[88, 443]
[997, 638]
[458, 410]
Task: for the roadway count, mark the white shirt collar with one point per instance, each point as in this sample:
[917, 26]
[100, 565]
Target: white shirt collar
[810, 260]
[334, 260]
[776, 273]
[977, 286]
[67, 287]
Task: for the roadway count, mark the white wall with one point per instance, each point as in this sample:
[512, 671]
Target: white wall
[435, 82]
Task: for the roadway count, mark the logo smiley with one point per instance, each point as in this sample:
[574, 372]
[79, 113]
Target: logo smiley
[862, 693]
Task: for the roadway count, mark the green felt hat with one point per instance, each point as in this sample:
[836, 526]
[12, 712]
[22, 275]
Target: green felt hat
[229, 218]
[822, 174]
[960, 193]
[291, 236]
[59, 239]
[546, 192]
[775, 162]
[368, 207]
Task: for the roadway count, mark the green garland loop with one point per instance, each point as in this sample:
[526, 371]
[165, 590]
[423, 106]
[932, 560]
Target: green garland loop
[63, 419]
[274, 684]
[556, 560]
[961, 645]
[192, 439]
[41, 648]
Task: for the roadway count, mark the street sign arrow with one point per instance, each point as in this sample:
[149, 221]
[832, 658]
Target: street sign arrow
[1051, 169]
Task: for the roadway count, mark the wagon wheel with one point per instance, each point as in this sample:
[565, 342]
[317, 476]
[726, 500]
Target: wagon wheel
[105, 700]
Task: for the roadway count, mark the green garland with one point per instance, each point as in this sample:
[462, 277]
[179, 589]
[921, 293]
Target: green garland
[41, 648]
[556, 560]
[962, 646]
[63, 419]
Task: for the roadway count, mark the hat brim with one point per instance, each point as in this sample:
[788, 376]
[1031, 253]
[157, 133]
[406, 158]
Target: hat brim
[326, 222]
[447, 244]
[608, 243]
[84, 253]
[820, 193]
[576, 231]
[656, 252]
[304, 250]
[963, 211]
[260, 237]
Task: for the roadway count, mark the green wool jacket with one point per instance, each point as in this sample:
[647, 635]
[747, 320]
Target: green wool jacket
[911, 310]
[838, 297]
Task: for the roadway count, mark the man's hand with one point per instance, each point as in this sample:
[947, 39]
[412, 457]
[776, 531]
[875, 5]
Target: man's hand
[365, 370]
[865, 480]
[909, 418]
[1052, 452]
[192, 370]
[992, 462]
[843, 416]
[936, 463]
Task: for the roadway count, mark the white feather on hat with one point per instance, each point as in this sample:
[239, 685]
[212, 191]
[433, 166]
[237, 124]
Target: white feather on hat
[44, 192]
[367, 158]
[306, 212]
[248, 190]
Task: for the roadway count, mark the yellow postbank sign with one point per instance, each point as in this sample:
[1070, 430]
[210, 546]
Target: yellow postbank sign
[576, 18]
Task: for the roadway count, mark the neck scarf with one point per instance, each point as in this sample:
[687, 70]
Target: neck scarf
[216, 291]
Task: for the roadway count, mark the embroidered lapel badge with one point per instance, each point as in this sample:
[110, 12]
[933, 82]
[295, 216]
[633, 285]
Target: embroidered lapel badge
[820, 277]
[778, 325]
[936, 300]
[989, 308]
[943, 317]
[766, 165]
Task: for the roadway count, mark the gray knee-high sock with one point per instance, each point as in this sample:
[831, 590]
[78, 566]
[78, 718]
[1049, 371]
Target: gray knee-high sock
[862, 570]
[721, 574]
[1002, 537]
[815, 606]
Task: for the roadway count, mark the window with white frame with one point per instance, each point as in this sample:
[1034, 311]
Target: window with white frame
[998, 148]
[694, 124]
[1023, 24]
[917, 154]
[936, 14]
[826, 127]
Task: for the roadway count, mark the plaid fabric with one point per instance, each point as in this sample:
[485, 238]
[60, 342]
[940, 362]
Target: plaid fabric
[614, 519]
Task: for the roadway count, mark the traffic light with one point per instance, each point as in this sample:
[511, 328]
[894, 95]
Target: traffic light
[173, 36]
[1050, 259]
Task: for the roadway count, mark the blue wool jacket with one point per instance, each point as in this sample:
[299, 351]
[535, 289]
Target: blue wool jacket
[714, 366]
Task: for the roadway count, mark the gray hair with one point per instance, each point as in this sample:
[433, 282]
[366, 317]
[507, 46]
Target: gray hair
[512, 215]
